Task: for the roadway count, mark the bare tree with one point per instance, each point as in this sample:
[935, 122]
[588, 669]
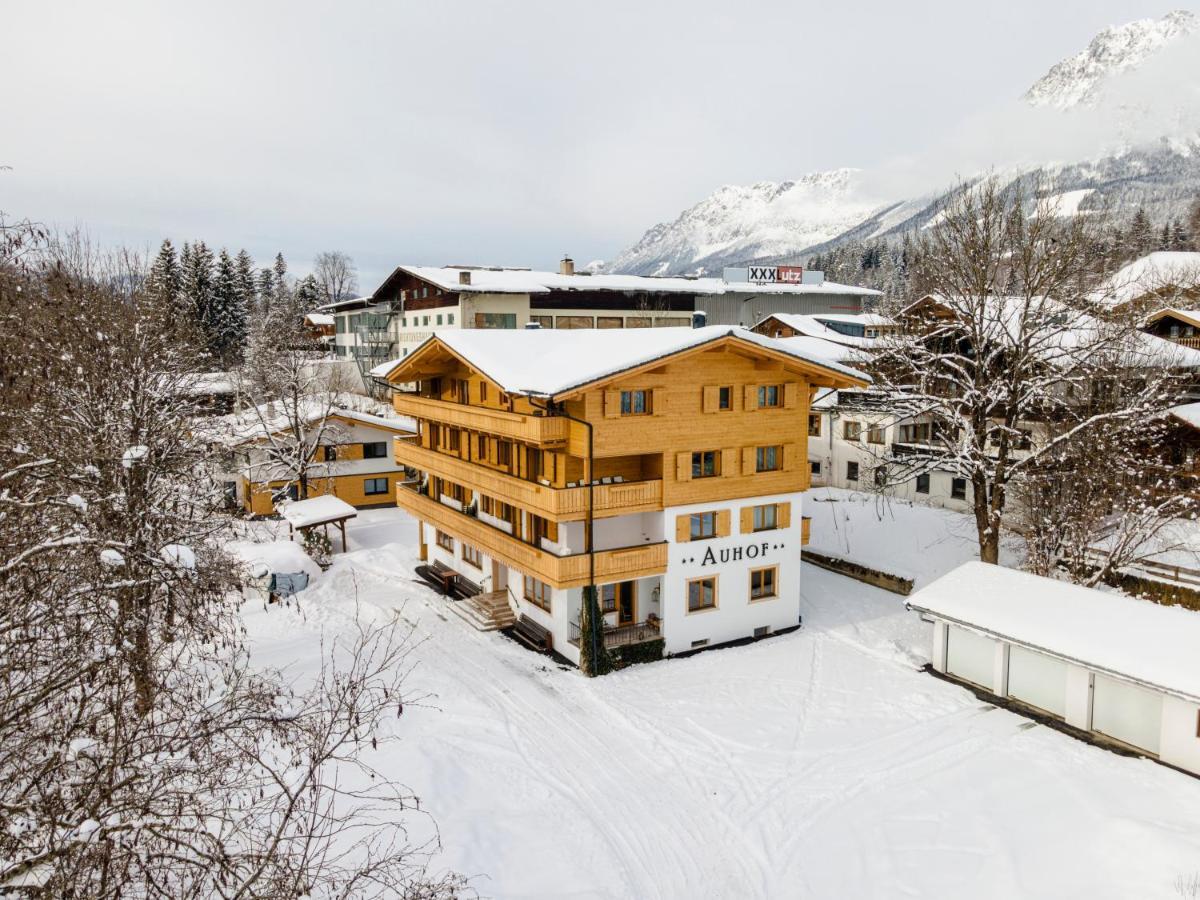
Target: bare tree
[336, 275]
[140, 754]
[1003, 361]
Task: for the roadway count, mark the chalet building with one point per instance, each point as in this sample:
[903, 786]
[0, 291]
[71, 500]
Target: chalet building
[417, 301]
[352, 461]
[664, 466]
[1182, 326]
[1117, 670]
[859, 330]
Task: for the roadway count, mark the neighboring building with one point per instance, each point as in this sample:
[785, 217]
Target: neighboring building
[861, 330]
[417, 301]
[685, 447]
[1167, 278]
[1123, 669]
[319, 327]
[355, 458]
[1182, 326]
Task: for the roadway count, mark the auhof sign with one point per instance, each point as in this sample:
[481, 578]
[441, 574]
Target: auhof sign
[722, 555]
[766, 275]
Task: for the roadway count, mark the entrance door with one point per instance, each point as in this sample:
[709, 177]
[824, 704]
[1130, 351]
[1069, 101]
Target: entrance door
[626, 603]
[499, 576]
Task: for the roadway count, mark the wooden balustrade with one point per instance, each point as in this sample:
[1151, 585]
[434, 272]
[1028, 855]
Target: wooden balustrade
[559, 504]
[540, 430]
[558, 571]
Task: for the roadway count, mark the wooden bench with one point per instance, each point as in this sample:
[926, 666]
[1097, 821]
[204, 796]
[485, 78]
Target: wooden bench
[533, 635]
[438, 576]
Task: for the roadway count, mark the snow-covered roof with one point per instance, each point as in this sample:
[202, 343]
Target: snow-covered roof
[273, 556]
[1161, 271]
[1135, 639]
[867, 320]
[316, 511]
[1188, 413]
[810, 326]
[552, 362]
[1079, 331]
[350, 303]
[201, 383]
[1191, 316]
[270, 418]
[498, 280]
[319, 319]
[825, 349]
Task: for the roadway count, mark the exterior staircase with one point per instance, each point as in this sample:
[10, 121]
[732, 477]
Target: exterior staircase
[486, 612]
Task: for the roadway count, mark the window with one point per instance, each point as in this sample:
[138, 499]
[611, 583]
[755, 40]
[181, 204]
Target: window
[424, 320]
[766, 517]
[768, 459]
[495, 320]
[852, 471]
[768, 395]
[875, 434]
[635, 403]
[439, 319]
[706, 464]
[574, 322]
[543, 321]
[814, 466]
[725, 398]
[373, 487]
[703, 642]
[763, 583]
[472, 555]
[915, 433]
[375, 450]
[702, 594]
[450, 318]
[483, 392]
[608, 598]
[462, 390]
[608, 321]
[923, 483]
[814, 426]
[958, 488]
[453, 439]
[330, 452]
[851, 430]
[482, 447]
[703, 525]
[445, 541]
[537, 592]
[504, 453]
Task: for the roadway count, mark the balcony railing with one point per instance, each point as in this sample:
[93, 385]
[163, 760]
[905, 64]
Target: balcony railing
[620, 564]
[621, 635]
[559, 504]
[528, 428]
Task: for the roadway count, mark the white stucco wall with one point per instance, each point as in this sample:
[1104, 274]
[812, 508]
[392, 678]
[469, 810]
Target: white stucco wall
[730, 559]
[1179, 744]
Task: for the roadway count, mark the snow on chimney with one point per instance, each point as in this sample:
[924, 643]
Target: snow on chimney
[464, 277]
[567, 266]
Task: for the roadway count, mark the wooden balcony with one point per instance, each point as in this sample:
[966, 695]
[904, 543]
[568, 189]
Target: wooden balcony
[558, 504]
[541, 430]
[805, 529]
[620, 564]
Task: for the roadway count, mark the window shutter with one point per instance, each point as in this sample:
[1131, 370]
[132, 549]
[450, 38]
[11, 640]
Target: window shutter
[783, 514]
[683, 529]
[723, 523]
[747, 460]
[612, 404]
[747, 519]
[790, 392]
[683, 466]
[729, 464]
[658, 401]
[751, 395]
[789, 457]
[712, 398]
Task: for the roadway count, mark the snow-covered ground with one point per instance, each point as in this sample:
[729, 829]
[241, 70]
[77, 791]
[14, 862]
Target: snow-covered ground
[896, 536]
[818, 764]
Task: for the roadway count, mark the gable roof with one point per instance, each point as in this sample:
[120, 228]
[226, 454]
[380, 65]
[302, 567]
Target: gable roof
[811, 326]
[256, 424]
[1136, 639]
[560, 362]
[1190, 316]
[1164, 270]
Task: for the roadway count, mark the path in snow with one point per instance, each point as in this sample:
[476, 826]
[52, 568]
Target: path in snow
[817, 764]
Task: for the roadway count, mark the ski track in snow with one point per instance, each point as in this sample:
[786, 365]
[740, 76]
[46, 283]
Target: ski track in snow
[818, 764]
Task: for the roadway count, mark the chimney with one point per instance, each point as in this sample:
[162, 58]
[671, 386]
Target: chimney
[532, 326]
[699, 318]
[567, 266]
[464, 277]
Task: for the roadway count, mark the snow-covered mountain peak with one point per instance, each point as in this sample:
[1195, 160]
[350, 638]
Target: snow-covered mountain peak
[1077, 79]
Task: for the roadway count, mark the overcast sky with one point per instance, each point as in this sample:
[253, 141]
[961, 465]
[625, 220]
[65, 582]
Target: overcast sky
[480, 132]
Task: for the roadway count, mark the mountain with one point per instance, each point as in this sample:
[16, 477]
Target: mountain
[1116, 124]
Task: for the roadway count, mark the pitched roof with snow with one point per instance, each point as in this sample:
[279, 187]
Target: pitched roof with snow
[484, 280]
[821, 348]
[1188, 413]
[553, 362]
[810, 326]
[1135, 639]
[1156, 272]
[316, 511]
[256, 423]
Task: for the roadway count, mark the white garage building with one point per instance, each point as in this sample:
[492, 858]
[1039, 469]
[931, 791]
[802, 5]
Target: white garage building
[1104, 663]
